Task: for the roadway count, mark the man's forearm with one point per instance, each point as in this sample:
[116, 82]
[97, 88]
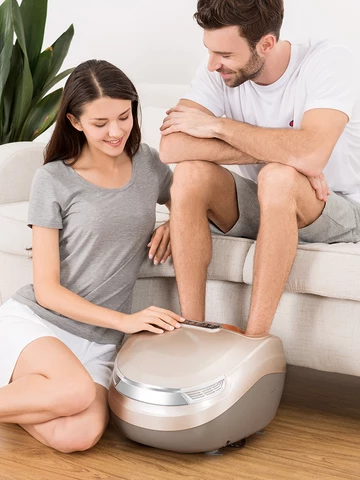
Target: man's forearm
[307, 149]
[179, 147]
[295, 148]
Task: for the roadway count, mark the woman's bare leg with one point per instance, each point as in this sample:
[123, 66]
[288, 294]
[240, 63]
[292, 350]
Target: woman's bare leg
[48, 382]
[78, 432]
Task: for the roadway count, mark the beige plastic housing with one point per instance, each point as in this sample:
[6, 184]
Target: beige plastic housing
[196, 390]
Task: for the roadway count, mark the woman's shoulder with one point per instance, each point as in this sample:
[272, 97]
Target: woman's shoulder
[56, 170]
[55, 166]
[148, 153]
[54, 175]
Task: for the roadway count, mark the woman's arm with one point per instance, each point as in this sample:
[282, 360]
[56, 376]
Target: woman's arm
[52, 295]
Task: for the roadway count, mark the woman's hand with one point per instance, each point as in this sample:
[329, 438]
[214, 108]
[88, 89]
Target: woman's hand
[152, 319]
[160, 248]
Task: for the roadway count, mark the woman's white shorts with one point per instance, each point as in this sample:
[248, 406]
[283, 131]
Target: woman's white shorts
[19, 326]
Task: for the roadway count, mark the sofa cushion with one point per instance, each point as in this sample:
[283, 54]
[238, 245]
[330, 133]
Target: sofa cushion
[320, 269]
[15, 235]
[18, 162]
[229, 254]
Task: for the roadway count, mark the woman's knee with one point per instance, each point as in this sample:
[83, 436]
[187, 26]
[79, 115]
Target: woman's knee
[73, 396]
[77, 434]
[78, 441]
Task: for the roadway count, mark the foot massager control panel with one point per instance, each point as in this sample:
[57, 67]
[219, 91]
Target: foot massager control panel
[202, 325]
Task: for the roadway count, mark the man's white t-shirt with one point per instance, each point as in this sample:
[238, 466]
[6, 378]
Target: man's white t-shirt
[319, 75]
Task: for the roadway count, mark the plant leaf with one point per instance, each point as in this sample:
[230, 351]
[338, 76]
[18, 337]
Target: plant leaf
[48, 86]
[26, 73]
[33, 14]
[9, 89]
[7, 137]
[42, 70]
[60, 49]
[6, 42]
[42, 116]
[24, 84]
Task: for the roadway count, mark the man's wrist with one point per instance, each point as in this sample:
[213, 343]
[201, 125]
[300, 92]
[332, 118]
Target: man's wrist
[219, 128]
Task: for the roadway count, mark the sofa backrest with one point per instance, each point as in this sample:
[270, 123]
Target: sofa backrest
[18, 162]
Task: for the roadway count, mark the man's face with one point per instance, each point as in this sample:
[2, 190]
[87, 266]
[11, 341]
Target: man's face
[231, 56]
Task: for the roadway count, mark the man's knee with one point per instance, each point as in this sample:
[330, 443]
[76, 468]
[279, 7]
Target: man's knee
[278, 184]
[194, 178]
[193, 175]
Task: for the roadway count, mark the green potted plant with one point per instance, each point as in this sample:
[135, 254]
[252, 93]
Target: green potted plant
[27, 73]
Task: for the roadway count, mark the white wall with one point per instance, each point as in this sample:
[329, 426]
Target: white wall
[337, 20]
[154, 41]
[157, 41]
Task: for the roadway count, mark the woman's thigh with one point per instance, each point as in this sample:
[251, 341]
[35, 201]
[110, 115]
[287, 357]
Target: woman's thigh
[50, 357]
[19, 327]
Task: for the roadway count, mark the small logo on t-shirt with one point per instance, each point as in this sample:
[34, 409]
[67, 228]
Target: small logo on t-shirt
[291, 123]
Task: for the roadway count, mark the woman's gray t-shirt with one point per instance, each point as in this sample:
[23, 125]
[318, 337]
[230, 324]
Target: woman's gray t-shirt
[103, 235]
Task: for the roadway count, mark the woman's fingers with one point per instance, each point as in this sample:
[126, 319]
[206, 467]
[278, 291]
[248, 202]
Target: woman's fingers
[152, 329]
[161, 249]
[169, 313]
[159, 245]
[166, 254]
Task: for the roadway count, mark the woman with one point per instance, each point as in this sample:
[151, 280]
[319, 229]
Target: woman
[92, 212]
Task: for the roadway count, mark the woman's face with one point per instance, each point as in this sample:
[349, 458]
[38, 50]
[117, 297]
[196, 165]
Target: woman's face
[106, 123]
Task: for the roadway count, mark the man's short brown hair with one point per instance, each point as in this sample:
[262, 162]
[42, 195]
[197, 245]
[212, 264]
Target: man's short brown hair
[255, 18]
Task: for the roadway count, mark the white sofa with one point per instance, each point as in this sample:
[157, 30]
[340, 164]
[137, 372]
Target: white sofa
[318, 317]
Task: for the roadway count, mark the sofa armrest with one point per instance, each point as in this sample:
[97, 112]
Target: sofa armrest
[18, 163]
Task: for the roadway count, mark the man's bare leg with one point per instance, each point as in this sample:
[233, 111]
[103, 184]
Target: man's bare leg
[200, 190]
[287, 203]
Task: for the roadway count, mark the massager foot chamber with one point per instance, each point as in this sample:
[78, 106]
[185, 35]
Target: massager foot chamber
[196, 389]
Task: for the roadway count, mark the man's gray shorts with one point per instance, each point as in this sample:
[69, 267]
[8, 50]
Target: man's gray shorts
[339, 221]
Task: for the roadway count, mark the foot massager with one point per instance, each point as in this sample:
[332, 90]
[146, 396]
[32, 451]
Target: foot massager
[196, 389]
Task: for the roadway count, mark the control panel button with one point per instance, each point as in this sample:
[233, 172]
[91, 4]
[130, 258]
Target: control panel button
[202, 325]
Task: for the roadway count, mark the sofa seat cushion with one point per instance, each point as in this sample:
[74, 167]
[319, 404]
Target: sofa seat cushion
[229, 254]
[320, 269]
[15, 235]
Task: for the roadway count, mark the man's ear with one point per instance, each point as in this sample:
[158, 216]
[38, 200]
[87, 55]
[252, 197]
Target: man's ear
[265, 45]
[74, 122]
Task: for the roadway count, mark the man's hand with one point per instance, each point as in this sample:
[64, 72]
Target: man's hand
[319, 184]
[160, 248]
[191, 121]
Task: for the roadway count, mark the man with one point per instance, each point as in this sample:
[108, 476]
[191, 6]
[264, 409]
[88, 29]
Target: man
[289, 117]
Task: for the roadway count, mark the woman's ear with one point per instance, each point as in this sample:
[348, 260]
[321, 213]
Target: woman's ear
[74, 122]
